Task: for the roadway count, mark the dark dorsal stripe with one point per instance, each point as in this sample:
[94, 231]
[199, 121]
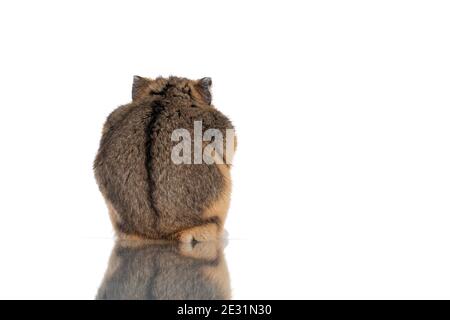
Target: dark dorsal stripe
[157, 108]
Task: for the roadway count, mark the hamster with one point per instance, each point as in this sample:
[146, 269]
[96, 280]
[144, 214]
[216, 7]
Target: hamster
[150, 195]
[166, 271]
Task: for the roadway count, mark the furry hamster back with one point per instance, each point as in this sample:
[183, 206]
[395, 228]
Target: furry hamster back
[148, 194]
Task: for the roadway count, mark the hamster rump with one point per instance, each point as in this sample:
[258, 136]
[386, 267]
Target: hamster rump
[120, 170]
[147, 194]
[193, 199]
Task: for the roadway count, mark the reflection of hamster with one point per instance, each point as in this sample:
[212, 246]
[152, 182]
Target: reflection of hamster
[166, 272]
[148, 195]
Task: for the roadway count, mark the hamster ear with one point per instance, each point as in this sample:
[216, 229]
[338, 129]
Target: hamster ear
[204, 86]
[206, 82]
[139, 83]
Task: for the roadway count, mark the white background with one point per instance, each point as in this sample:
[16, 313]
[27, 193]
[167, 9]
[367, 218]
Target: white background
[342, 111]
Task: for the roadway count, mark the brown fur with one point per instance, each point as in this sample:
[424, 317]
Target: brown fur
[149, 196]
[161, 271]
[219, 208]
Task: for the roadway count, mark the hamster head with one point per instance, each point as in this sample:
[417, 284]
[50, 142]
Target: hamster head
[194, 90]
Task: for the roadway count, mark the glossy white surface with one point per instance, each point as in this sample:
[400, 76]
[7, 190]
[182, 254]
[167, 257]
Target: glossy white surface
[341, 178]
